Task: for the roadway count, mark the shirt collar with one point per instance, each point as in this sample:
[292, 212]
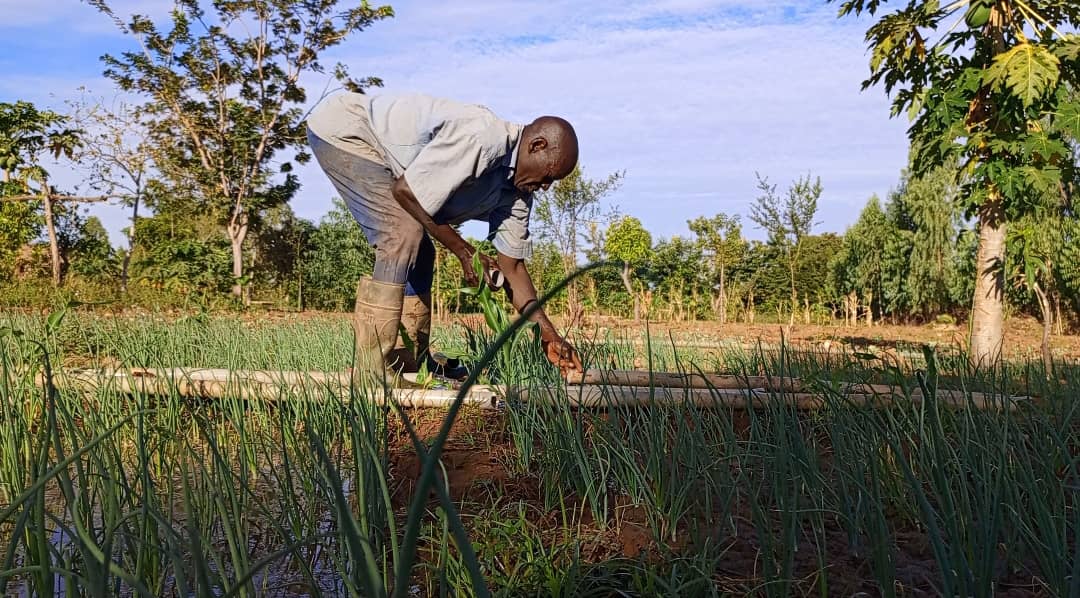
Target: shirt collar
[512, 166]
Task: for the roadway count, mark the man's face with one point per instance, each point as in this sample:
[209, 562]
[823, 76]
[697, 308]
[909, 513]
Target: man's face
[537, 167]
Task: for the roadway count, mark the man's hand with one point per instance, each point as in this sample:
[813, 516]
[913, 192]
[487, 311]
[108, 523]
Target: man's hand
[487, 262]
[561, 353]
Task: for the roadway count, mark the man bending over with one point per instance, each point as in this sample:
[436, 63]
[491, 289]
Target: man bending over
[409, 167]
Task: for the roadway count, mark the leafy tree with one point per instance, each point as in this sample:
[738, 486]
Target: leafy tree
[568, 211]
[1068, 272]
[92, 256]
[857, 271]
[628, 241]
[19, 224]
[117, 153]
[762, 278]
[787, 220]
[720, 240]
[337, 255]
[547, 268]
[276, 253]
[224, 96]
[182, 255]
[811, 278]
[1035, 243]
[930, 202]
[990, 95]
[673, 274]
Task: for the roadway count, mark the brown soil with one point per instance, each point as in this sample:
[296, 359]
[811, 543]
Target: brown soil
[479, 467]
[1023, 336]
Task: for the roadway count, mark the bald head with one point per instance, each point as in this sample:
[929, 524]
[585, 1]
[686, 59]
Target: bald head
[548, 152]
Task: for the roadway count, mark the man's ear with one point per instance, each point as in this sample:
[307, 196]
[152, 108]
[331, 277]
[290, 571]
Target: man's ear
[538, 144]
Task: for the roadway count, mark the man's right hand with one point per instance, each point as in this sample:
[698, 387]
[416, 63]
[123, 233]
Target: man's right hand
[488, 263]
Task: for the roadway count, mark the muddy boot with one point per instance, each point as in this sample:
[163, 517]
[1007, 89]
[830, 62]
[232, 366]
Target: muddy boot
[375, 325]
[416, 323]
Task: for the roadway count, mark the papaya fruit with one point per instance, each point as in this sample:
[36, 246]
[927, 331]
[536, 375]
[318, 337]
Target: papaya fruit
[978, 13]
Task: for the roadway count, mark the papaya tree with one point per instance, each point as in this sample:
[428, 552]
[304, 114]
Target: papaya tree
[27, 133]
[986, 84]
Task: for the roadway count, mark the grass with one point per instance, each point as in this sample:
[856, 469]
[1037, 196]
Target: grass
[104, 494]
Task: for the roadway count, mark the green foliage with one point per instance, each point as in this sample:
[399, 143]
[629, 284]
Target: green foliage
[91, 255]
[859, 266]
[26, 132]
[931, 203]
[674, 275]
[570, 215]
[788, 220]
[20, 223]
[181, 255]
[720, 240]
[224, 96]
[335, 257]
[627, 241]
[990, 97]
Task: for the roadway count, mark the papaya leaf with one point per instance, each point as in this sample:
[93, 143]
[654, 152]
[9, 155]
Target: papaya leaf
[1028, 71]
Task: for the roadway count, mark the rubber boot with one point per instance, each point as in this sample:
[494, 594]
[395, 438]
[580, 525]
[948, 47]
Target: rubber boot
[375, 325]
[416, 323]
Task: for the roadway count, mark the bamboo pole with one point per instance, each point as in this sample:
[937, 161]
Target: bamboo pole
[268, 385]
[635, 378]
[254, 385]
[591, 397]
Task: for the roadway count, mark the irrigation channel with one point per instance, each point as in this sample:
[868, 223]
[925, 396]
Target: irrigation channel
[209, 456]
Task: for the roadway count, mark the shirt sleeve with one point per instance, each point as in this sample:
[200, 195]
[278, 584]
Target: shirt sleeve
[509, 227]
[454, 156]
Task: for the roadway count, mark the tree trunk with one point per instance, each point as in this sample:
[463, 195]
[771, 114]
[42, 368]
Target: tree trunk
[237, 231]
[870, 309]
[1059, 324]
[794, 295]
[131, 246]
[1048, 323]
[625, 275]
[723, 296]
[987, 309]
[54, 244]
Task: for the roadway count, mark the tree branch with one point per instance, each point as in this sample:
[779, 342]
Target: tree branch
[62, 198]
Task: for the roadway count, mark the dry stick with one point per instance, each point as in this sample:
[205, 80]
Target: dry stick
[62, 198]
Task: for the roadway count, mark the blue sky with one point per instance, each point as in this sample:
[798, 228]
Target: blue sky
[689, 97]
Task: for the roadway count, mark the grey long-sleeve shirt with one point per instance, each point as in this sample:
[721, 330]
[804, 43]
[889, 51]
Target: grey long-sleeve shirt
[457, 158]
